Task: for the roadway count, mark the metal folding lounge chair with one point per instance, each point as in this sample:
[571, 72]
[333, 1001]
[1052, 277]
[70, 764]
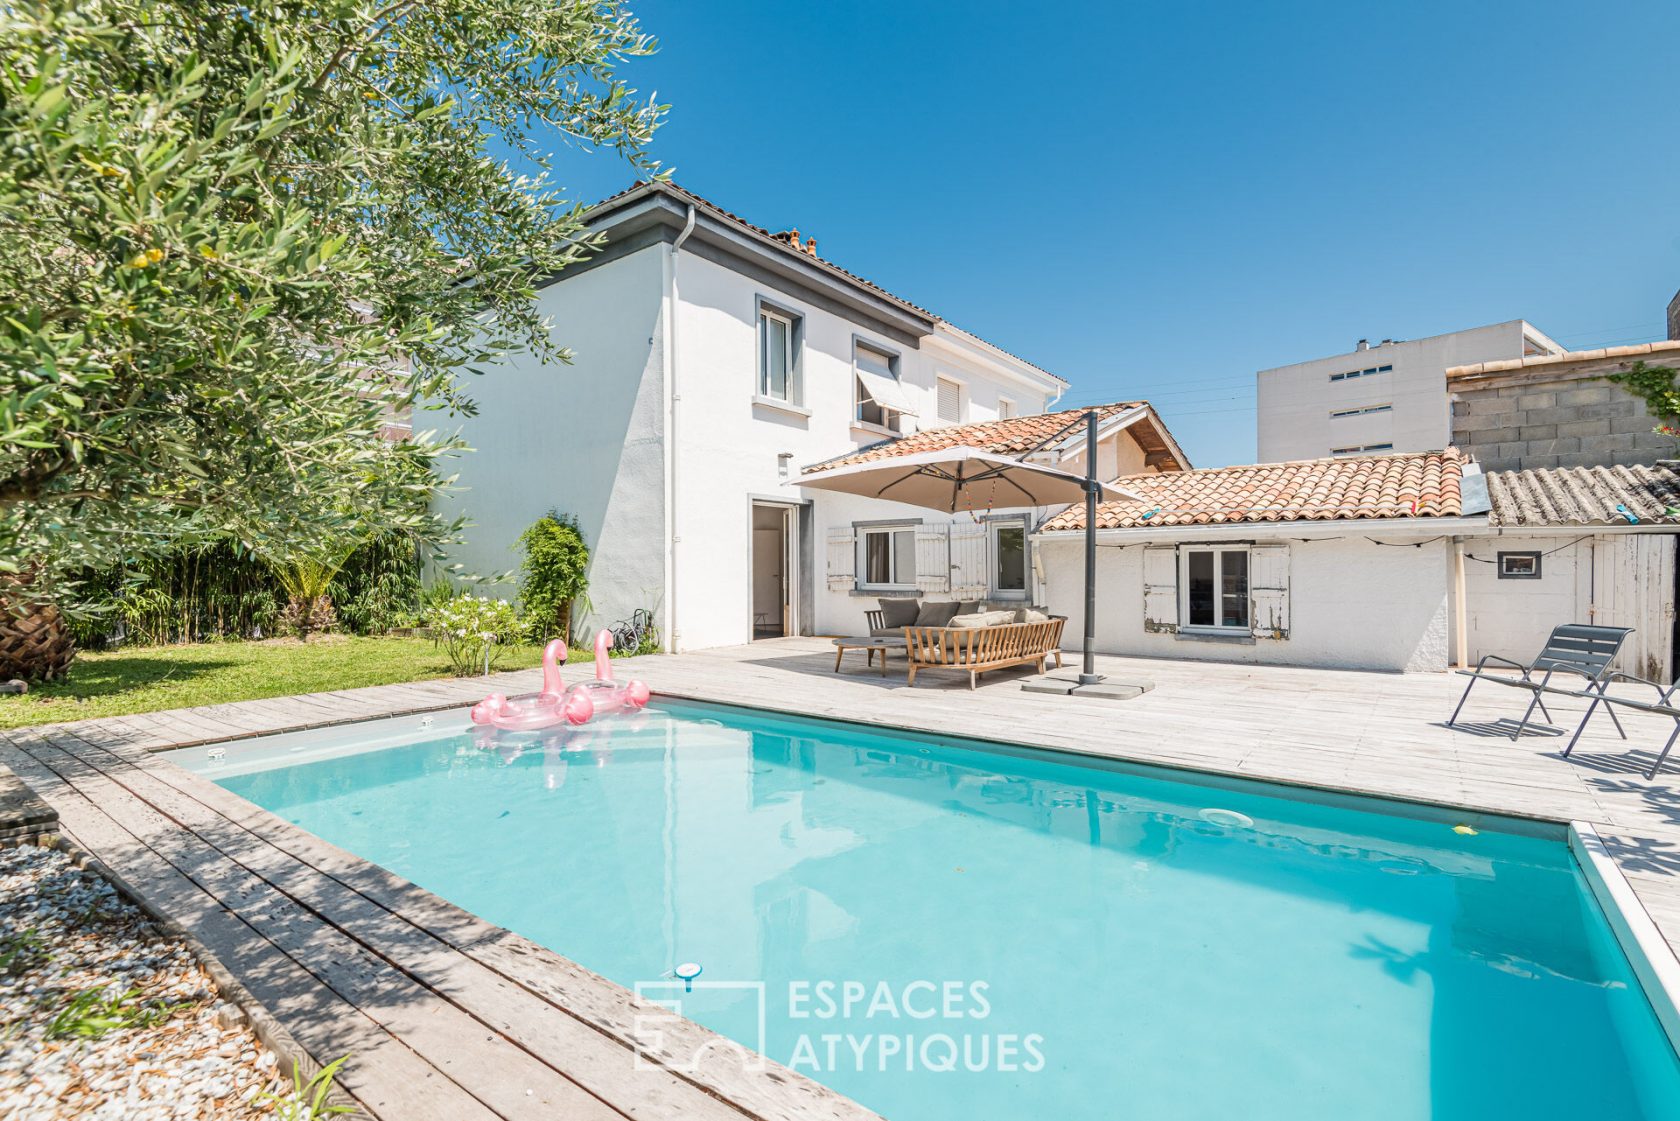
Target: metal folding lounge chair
[1663, 706]
[1574, 648]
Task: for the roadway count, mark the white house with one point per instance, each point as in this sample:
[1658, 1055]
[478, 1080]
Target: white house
[711, 361]
[1376, 399]
[1395, 562]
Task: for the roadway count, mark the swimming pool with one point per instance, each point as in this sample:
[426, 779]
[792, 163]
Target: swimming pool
[942, 929]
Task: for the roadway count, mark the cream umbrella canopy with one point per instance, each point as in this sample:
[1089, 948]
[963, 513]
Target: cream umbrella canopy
[953, 478]
[965, 477]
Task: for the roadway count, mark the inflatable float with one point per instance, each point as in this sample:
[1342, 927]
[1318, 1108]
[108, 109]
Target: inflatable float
[555, 704]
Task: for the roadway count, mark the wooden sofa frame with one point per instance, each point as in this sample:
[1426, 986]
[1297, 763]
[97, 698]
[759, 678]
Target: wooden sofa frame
[978, 649]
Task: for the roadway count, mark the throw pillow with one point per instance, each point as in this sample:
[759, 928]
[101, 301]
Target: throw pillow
[934, 614]
[899, 612]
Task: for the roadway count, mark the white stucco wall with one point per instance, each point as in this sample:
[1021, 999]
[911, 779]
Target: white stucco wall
[591, 439]
[1294, 402]
[584, 438]
[729, 448]
[1611, 579]
[1353, 605]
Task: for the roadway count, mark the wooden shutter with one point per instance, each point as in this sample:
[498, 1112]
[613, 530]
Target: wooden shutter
[842, 559]
[1160, 588]
[1268, 590]
[970, 571]
[933, 559]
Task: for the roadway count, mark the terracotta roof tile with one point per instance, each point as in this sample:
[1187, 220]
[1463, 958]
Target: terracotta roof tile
[1417, 485]
[1005, 437]
[1584, 496]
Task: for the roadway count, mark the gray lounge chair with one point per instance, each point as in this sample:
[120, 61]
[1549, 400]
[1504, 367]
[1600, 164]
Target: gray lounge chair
[1574, 648]
[1663, 706]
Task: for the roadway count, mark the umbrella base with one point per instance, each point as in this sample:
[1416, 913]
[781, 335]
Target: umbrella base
[1069, 683]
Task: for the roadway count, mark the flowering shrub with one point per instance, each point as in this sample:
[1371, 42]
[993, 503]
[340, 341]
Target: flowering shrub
[465, 625]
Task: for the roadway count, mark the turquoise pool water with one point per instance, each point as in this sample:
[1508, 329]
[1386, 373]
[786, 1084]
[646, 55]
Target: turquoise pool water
[1077, 941]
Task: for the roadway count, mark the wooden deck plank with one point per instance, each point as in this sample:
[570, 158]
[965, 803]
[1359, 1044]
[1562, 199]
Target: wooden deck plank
[408, 929]
[477, 1059]
[385, 1076]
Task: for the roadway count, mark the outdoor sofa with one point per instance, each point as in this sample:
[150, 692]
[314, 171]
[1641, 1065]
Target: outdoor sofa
[972, 636]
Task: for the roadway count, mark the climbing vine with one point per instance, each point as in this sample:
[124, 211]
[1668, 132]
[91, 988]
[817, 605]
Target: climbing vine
[1657, 386]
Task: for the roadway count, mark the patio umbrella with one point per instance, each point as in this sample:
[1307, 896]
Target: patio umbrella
[965, 477]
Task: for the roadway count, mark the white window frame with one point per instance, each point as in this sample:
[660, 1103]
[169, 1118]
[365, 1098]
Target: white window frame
[993, 555]
[1364, 410]
[1218, 551]
[892, 420]
[898, 581]
[1363, 449]
[791, 320]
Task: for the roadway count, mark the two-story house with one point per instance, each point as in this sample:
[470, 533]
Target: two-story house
[711, 361]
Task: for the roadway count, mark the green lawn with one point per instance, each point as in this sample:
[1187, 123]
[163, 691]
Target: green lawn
[157, 677]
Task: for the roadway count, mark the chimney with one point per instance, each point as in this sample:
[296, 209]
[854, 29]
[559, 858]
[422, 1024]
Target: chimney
[1364, 344]
[811, 246]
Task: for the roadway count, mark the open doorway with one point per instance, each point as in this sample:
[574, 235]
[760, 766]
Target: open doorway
[773, 570]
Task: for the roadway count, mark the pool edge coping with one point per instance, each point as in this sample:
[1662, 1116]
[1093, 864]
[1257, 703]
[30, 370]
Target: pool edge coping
[1647, 951]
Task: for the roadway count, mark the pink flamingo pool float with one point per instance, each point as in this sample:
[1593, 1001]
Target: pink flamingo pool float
[556, 704]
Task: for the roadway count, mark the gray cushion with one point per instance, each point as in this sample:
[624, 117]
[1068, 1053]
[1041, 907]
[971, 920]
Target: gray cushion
[970, 606]
[896, 613]
[935, 614]
[983, 619]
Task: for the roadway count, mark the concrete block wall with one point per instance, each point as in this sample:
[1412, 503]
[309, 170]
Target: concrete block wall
[1564, 423]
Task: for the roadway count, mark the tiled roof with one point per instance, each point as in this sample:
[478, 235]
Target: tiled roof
[1584, 496]
[1417, 485]
[1005, 437]
[787, 246]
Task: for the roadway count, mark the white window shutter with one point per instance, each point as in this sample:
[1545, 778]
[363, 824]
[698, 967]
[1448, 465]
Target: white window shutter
[842, 559]
[1160, 588]
[949, 403]
[933, 559]
[1268, 590]
[970, 570]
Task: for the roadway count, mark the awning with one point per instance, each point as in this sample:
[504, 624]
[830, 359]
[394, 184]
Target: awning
[878, 381]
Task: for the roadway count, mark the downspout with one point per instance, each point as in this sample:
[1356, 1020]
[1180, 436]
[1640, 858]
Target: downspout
[1461, 612]
[673, 401]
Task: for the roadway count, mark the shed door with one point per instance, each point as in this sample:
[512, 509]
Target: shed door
[1633, 586]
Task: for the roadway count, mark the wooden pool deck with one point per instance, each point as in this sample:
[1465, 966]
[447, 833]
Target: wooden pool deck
[446, 1016]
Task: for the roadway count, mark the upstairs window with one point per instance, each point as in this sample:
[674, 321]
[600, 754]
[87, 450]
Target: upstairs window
[1364, 411]
[1366, 373]
[1006, 408]
[1362, 449]
[949, 401]
[778, 335]
[880, 398]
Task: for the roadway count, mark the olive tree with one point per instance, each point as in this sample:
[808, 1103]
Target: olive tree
[240, 244]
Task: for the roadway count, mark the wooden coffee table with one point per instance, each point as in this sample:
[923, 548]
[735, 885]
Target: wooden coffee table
[870, 645]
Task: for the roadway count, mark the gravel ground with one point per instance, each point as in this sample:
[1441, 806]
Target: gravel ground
[66, 933]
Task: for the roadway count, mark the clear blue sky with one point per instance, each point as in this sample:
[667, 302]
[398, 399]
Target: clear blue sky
[1157, 200]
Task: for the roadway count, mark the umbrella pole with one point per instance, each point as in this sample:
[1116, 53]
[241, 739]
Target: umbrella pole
[1089, 675]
